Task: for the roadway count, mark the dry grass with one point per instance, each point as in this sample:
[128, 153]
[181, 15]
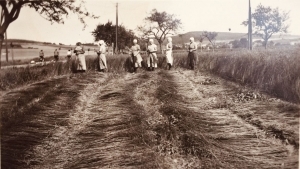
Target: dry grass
[274, 71]
[231, 142]
[80, 122]
[29, 115]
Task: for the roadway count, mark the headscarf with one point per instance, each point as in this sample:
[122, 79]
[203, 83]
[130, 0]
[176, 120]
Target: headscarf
[101, 42]
[151, 41]
[192, 39]
[134, 41]
[170, 39]
[78, 43]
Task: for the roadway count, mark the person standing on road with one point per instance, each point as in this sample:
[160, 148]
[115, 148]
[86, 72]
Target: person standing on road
[192, 56]
[42, 59]
[102, 57]
[136, 57]
[56, 55]
[152, 57]
[80, 57]
[169, 54]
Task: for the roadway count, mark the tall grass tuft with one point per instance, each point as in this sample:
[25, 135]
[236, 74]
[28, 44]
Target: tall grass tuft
[276, 72]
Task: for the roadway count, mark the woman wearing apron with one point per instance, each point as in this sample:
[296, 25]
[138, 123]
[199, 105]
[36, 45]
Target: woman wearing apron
[192, 56]
[152, 57]
[79, 51]
[169, 55]
[102, 58]
[135, 54]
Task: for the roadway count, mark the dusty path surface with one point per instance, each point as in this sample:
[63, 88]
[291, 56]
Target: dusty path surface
[160, 119]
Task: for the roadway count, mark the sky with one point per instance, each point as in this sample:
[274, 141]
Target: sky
[196, 15]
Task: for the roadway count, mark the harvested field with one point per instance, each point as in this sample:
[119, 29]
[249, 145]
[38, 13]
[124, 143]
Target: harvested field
[161, 119]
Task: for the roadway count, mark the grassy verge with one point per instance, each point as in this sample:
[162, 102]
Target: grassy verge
[273, 71]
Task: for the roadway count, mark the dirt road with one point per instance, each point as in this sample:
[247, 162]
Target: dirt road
[160, 119]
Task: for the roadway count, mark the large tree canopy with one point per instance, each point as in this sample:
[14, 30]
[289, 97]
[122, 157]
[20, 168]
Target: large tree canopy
[159, 25]
[52, 10]
[268, 21]
[107, 32]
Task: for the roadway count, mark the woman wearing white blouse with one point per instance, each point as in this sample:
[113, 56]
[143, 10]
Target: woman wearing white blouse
[169, 55]
[192, 56]
[102, 58]
[152, 57]
[79, 51]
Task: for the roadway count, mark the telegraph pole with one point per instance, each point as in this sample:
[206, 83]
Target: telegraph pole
[116, 49]
[250, 28]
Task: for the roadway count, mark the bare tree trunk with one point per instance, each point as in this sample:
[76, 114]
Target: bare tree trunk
[160, 47]
[265, 43]
[1, 42]
[6, 50]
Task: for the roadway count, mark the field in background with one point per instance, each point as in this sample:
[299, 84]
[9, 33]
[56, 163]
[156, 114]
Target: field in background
[31, 51]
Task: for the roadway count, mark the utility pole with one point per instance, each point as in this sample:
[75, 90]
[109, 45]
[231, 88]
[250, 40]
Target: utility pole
[250, 28]
[116, 49]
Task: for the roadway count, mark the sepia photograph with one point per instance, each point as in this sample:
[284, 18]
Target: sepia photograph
[149, 84]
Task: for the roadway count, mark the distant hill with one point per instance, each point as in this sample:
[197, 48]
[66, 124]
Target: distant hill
[24, 41]
[224, 36]
[29, 44]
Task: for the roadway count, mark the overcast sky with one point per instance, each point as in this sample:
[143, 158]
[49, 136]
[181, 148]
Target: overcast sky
[196, 15]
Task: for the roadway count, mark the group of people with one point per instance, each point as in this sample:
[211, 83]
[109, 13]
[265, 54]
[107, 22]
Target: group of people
[152, 57]
[151, 60]
[56, 55]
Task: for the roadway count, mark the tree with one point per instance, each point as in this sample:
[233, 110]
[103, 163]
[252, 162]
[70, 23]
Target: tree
[201, 39]
[268, 21]
[159, 25]
[211, 37]
[51, 10]
[107, 33]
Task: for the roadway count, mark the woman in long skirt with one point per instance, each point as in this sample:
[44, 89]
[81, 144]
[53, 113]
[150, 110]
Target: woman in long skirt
[169, 55]
[136, 57]
[102, 58]
[152, 57]
[79, 51]
[192, 56]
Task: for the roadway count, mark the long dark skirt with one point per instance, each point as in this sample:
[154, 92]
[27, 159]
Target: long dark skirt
[192, 59]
